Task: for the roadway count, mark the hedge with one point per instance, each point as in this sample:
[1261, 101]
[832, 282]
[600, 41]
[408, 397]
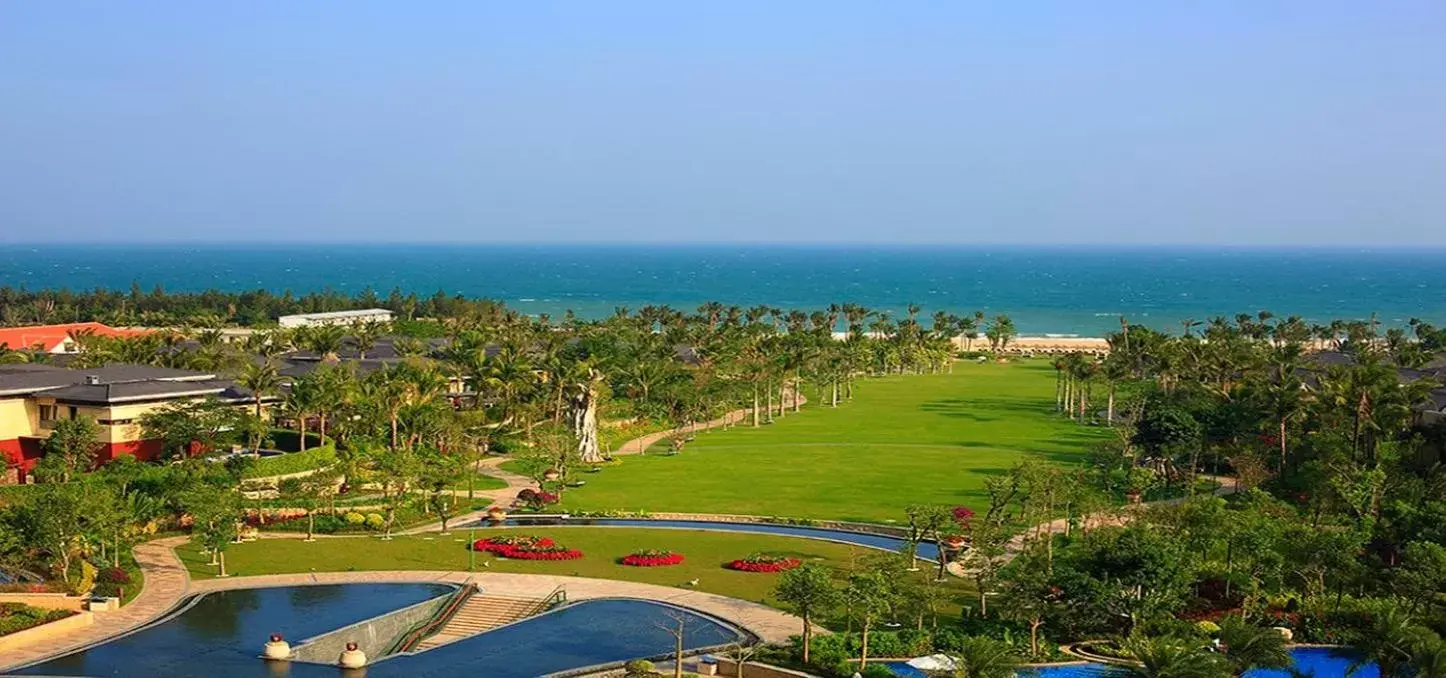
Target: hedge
[295, 462]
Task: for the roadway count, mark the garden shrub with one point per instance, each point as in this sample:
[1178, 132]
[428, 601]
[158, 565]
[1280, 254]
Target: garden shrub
[375, 521]
[86, 581]
[19, 616]
[638, 668]
[110, 582]
[354, 518]
[295, 462]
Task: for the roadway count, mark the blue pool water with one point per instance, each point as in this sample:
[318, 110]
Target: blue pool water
[926, 550]
[1319, 662]
[221, 635]
[581, 634]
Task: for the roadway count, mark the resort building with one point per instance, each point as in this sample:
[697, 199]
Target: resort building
[369, 315]
[34, 397]
[59, 339]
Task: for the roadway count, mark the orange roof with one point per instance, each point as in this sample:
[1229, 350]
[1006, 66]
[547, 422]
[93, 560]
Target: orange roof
[48, 337]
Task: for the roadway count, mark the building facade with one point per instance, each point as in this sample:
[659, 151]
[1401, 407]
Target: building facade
[34, 397]
[369, 315]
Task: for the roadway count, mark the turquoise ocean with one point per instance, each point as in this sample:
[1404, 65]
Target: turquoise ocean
[1047, 290]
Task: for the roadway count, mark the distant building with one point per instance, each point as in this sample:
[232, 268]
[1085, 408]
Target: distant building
[33, 397]
[56, 338]
[369, 315]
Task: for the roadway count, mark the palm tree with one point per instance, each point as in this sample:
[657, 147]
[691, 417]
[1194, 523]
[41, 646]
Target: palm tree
[261, 379]
[301, 403]
[1389, 643]
[1166, 657]
[366, 334]
[323, 340]
[984, 657]
[1000, 332]
[1247, 646]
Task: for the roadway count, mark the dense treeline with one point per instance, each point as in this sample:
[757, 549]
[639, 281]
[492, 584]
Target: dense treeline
[1336, 534]
[159, 308]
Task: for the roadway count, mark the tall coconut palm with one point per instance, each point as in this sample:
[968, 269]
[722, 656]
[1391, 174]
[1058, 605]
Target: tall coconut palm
[261, 379]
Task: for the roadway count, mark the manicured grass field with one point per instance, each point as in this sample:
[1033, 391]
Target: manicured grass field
[901, 441]
[705, 554]
[482, 482]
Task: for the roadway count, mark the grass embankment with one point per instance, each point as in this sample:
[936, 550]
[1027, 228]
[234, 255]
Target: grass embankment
[705, 554]
[902, 440]
[295, 462]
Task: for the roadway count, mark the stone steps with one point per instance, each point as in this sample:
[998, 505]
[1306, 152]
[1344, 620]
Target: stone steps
[480, 613]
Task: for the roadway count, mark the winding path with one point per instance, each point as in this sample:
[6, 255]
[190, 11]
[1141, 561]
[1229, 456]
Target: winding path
[504, 496]
[166, 583]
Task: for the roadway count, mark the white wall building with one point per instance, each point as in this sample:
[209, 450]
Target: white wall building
[369, 315]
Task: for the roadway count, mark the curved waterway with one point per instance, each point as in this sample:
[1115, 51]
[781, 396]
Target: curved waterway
[219, 635]
[1319, 662]
[926, 550]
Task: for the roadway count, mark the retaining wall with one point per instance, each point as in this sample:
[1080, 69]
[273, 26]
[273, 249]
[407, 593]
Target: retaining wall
[373, 636]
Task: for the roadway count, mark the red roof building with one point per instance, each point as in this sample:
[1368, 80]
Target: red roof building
[56, 338]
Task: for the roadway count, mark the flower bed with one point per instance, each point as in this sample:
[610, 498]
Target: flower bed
[762, 562]
[542, 553]
[511, 541]
[652, 558]
[526, 547]
[15, 617]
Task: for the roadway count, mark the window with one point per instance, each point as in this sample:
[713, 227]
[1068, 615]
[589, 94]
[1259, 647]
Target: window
[48, 412]
[114, 422]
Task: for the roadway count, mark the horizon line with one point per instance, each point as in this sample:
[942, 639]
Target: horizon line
[792, 244]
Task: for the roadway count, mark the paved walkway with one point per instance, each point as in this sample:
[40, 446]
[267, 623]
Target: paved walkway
[492, 466]
[166, 582]
[771, 625]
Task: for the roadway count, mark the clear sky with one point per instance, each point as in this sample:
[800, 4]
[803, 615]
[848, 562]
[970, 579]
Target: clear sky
[1241, 122]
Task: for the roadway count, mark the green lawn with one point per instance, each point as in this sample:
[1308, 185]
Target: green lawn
[481, 481]
[902, 440]
[705, 553]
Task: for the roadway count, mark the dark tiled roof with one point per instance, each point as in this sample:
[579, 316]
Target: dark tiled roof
[59, 382]
[1438, 397]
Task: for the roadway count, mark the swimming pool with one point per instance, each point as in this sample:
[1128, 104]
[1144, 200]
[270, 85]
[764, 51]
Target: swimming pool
[219, 635]
[1320, 662]
[585, 633]
[926, 550]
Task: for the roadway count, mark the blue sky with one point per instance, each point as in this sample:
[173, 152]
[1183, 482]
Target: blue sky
[1231, 122]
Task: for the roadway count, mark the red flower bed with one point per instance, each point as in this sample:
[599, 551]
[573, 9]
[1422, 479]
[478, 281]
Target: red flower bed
[500, 544]
[651, 558]
[525, 547]
[759, 562]
[541, 553]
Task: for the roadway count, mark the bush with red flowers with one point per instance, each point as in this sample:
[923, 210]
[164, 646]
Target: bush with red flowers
[508, 542]
[536, 499]
[962, 515]
[762, 562]
[526, 547]
[652, 558]
[539, 552]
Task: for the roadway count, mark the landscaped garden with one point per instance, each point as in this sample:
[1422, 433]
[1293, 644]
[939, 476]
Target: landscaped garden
[927, 439]
[706, 557]
[15, 617]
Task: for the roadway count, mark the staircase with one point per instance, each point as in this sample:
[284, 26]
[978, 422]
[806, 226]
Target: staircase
[480, 613]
